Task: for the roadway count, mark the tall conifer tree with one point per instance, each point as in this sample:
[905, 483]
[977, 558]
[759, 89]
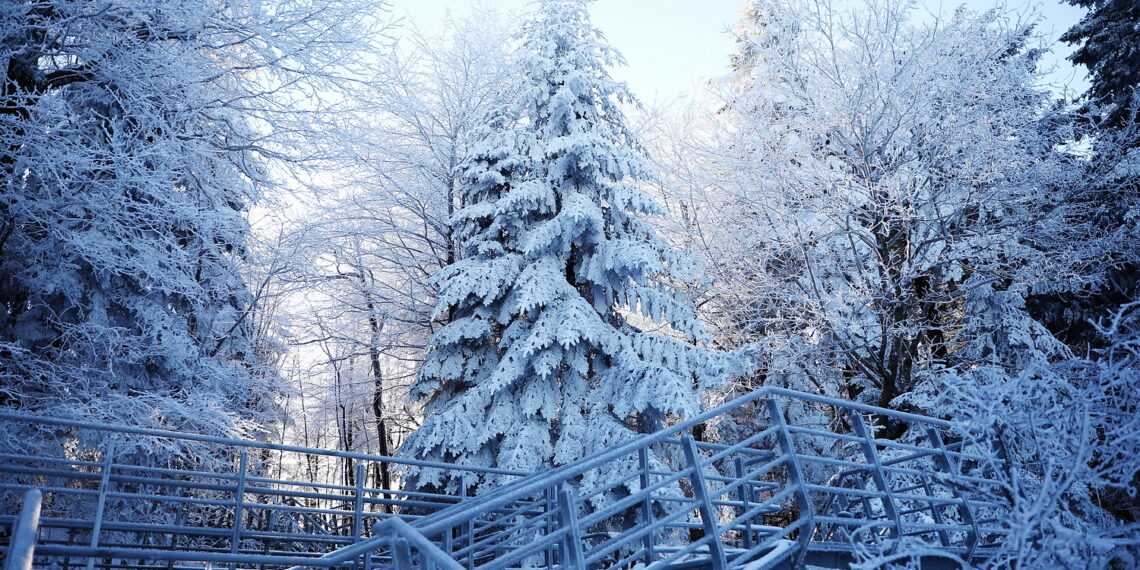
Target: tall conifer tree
[541, 362]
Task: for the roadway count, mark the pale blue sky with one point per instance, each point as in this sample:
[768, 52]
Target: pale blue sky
[673, 45]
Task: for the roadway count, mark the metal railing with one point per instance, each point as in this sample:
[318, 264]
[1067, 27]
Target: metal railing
[107, 503]
[775, 496]
[25, 533]
[843, 474]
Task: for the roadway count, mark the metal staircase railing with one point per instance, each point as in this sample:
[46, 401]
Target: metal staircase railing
[108, 504]
[785, 495]
[25, 533]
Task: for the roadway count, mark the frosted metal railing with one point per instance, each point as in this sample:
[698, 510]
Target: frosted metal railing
[783, 492]
[25, 533]
[100, 510]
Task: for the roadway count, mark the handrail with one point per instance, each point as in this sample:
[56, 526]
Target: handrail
[23, 545]
[390, 529]
[437, 522]
[249, 443]
[885, 506]
[386, 532]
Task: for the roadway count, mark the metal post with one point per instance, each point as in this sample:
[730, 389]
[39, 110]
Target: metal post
[368, 555]
[964, 511]
[243, 464]
[401, 553]
[178, 516]
[647, 506]
[864, 499]
[1007, 469]
[796, 476]
[744, 491]
[843, 503]
[877, 473]
[104, 488]
[358, 507]
[549, 504]
[568, 518]
[704, 505]
[26, 532]
[449, 535]
[468, 525]
[936, 511]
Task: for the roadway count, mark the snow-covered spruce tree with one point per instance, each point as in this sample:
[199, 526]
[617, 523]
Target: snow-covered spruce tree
[1104, 202]
[1108, 37]
[540, 363]
[127, 162]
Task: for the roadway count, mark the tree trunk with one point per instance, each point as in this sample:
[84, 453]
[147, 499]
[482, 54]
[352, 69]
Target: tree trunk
[381, 470]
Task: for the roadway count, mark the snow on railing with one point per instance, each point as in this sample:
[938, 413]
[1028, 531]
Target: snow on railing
[25, 532]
